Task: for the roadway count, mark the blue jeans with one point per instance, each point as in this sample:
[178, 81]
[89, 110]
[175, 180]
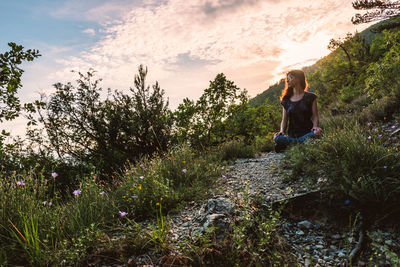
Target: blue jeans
[285, 141]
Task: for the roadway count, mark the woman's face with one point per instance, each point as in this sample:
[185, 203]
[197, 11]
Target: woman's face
[291, 80]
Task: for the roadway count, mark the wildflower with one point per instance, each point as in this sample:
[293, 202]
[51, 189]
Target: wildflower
[380, 136]
[54, 175]
[369, 123]
[140, 187]
[50, 203]
[157, 204]
[369, 137]
[223, 176]
[77, 192]
[102, 193]
[184, 170]
[385, 167]
[347, 202]
[134, 197]
[44, 203]
[141, 177]
[20, 183]
[123, 213]
[394, 126]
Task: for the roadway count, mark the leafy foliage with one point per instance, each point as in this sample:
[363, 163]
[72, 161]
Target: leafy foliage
[83, 129]
[203, 123]
[10, 79]
[355, 165]
[381, 9]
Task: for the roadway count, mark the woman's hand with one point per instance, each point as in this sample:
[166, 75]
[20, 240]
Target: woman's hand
[317, 131]
[278, 133]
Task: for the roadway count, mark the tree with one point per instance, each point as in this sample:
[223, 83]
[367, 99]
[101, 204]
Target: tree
[381, 10]
[204, 123]
[84, 129]
[10, 79]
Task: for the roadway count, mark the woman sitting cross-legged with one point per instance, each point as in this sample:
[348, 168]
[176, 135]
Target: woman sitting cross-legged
[300, 109]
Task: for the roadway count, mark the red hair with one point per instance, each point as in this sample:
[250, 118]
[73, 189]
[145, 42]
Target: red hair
[300, 77]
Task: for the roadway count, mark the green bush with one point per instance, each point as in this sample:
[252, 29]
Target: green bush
[236, 149]
[171, 179]
[264, 143]
[355, 165]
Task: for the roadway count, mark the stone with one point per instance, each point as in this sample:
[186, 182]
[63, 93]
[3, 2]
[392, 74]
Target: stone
[336, 236]
[299, 232]
[304, 225]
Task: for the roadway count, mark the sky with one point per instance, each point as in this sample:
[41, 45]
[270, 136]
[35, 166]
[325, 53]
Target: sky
[184, 43]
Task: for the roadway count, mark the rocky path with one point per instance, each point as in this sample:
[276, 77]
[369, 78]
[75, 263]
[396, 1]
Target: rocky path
[315, 242]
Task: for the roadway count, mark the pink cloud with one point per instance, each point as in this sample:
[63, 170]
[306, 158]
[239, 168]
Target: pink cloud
[257, 39]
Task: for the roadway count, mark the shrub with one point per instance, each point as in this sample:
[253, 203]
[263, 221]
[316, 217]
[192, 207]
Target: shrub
[355, 163]
[264, 143]
[170, 179]
[236, 149]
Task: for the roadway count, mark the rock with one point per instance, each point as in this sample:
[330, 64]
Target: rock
[299, 232]
[336, 236]
[304, 225]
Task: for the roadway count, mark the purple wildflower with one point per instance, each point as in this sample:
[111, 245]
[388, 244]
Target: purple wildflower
[77, 192]
[20, 183]
[54, 175]
[394, 126]
[102, 193]
[134, 197]
[347, 202]
[223, 176]
[369, 123]
[184, 170]
[369, 137]
[141, 177]
[50, 203]
[385, 167]
[380, 136]
[123, 213]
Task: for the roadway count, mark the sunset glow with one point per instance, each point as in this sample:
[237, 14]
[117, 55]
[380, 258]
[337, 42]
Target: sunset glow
[185, 44]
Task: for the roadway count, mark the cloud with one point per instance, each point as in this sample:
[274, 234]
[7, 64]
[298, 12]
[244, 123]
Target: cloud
[100, 11]
[90, 31]
[186, 43]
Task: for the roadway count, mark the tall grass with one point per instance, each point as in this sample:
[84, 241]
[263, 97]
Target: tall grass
[352, 161]
[39, 227]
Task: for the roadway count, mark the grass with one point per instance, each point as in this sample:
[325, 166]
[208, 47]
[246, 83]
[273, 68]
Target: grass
[353, 161]
[40, 227]
[234, 149]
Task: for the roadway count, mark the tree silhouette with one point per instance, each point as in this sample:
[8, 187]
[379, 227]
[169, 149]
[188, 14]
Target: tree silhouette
[377, 10]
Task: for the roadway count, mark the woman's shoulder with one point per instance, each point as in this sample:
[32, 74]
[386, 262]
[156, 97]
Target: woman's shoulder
[310, 95]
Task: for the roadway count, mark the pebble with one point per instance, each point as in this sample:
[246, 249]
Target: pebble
[304, 225]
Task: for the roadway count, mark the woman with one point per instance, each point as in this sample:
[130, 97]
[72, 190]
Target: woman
[300, 109]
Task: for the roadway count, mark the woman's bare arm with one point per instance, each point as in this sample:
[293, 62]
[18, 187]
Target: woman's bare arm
[315, 118]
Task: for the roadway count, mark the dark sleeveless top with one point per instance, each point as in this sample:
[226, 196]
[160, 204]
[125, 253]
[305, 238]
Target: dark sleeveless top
[299, 114]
